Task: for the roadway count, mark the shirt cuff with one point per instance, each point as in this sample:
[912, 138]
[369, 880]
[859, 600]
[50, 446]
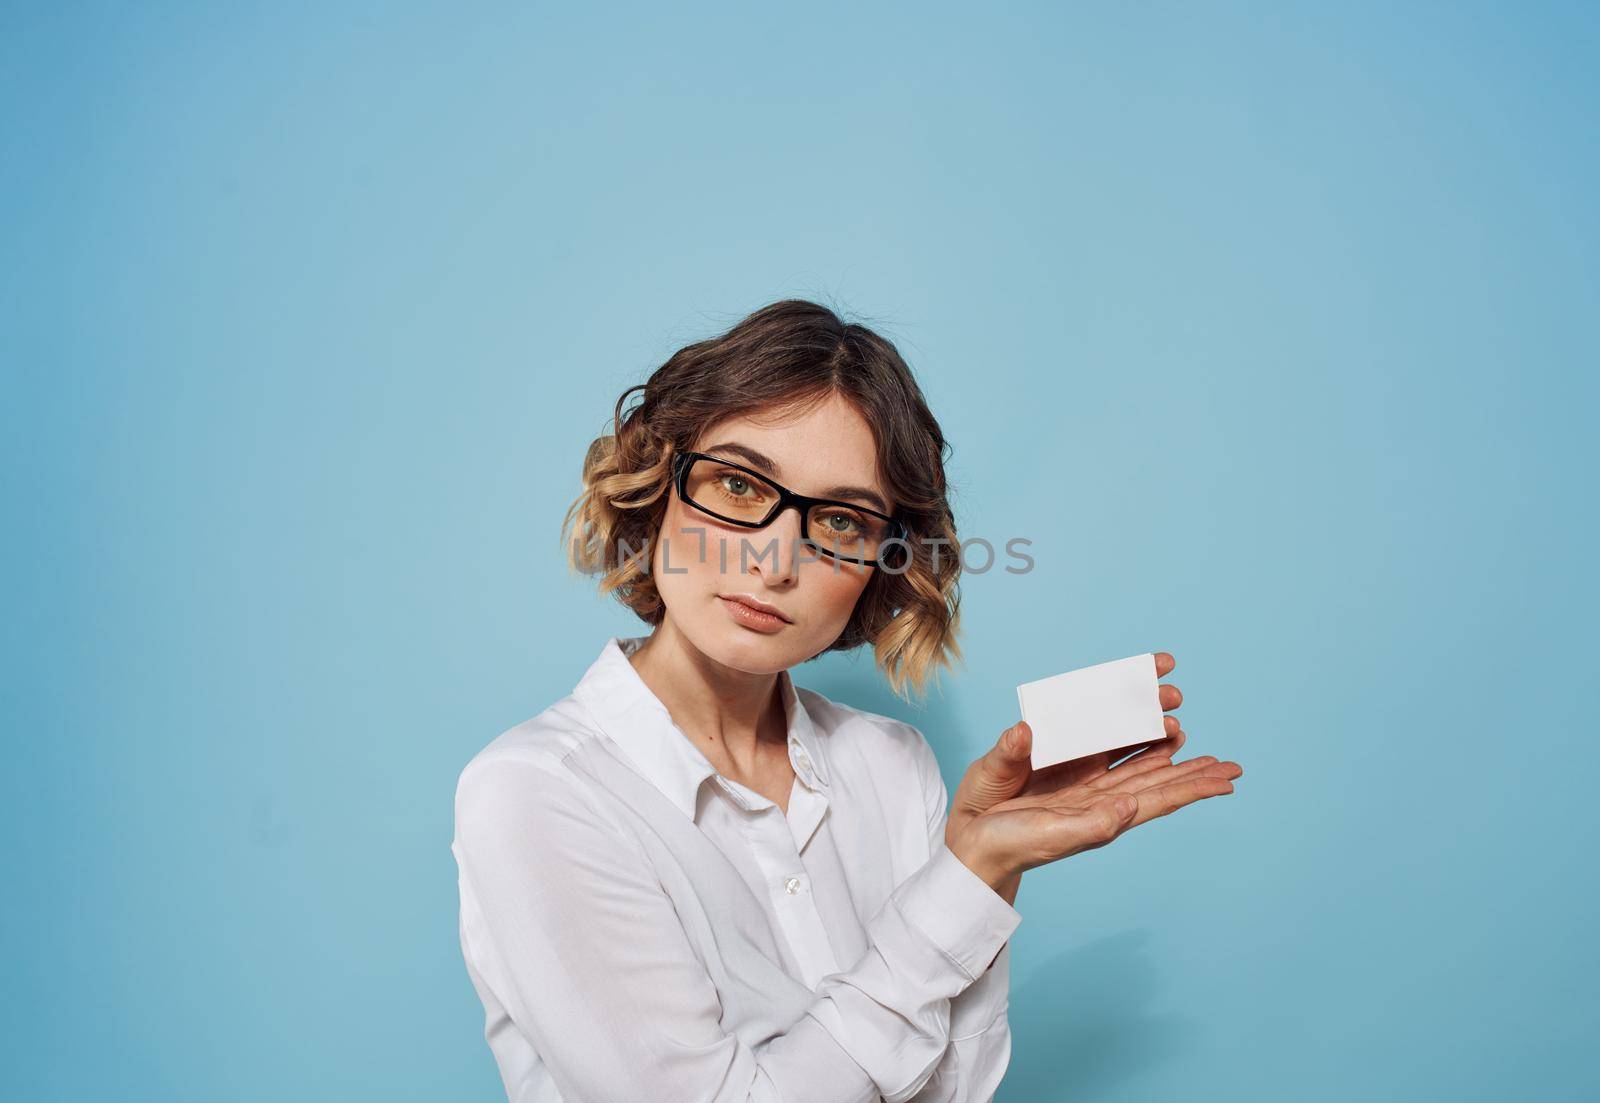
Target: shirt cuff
[980, 1006]
[957, 910]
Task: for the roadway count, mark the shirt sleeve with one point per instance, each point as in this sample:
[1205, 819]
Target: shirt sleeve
[584, 948]
[979, 1052]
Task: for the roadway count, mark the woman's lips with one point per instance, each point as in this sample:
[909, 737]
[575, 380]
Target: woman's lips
[752, 618]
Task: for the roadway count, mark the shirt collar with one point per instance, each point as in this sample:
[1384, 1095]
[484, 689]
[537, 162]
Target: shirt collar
[636, 720]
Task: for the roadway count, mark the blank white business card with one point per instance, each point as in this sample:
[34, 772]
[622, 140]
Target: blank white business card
[1097, 708]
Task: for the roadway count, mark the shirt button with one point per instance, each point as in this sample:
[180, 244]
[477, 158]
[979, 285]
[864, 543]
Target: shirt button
[793, 885]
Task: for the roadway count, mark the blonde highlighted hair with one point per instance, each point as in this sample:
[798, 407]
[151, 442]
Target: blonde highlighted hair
[785, 356]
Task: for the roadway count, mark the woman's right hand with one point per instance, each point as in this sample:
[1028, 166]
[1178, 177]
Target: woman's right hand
[1034, 830]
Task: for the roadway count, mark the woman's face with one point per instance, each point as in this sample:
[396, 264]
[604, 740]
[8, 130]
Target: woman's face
[697, 561]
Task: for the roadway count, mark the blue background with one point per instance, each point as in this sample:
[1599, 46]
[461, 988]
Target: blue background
[1272, 327]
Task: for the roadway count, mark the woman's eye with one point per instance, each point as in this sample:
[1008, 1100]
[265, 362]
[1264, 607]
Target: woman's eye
[734, 484]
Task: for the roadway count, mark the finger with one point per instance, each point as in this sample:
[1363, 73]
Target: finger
[999, 774]
[1144, 770]
[1150, 779]
[1164, 664]
[1167, 799]
[1149, 774]
[1171, 697]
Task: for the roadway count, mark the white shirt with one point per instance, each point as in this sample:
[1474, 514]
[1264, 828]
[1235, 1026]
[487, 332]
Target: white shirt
[640, 927]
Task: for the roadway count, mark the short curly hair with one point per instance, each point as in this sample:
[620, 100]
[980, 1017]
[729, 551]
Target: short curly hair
[785, 356]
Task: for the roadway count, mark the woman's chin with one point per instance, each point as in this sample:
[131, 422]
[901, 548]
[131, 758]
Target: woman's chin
[739, 648]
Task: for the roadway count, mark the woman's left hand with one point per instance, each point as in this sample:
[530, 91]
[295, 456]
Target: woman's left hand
[1007, 772]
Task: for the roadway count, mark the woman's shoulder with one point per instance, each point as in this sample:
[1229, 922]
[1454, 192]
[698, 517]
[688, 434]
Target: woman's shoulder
[538, 753]
[876, 735]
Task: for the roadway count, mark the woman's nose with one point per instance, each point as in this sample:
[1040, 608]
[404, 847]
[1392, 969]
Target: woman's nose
[777, 552]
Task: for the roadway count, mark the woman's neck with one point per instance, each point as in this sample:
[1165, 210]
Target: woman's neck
[731, 715]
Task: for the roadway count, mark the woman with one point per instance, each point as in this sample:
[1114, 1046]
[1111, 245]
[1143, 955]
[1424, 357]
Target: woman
[691, 879]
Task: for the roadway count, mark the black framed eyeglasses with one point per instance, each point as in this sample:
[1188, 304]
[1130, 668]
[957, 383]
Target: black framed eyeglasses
[734, 493]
